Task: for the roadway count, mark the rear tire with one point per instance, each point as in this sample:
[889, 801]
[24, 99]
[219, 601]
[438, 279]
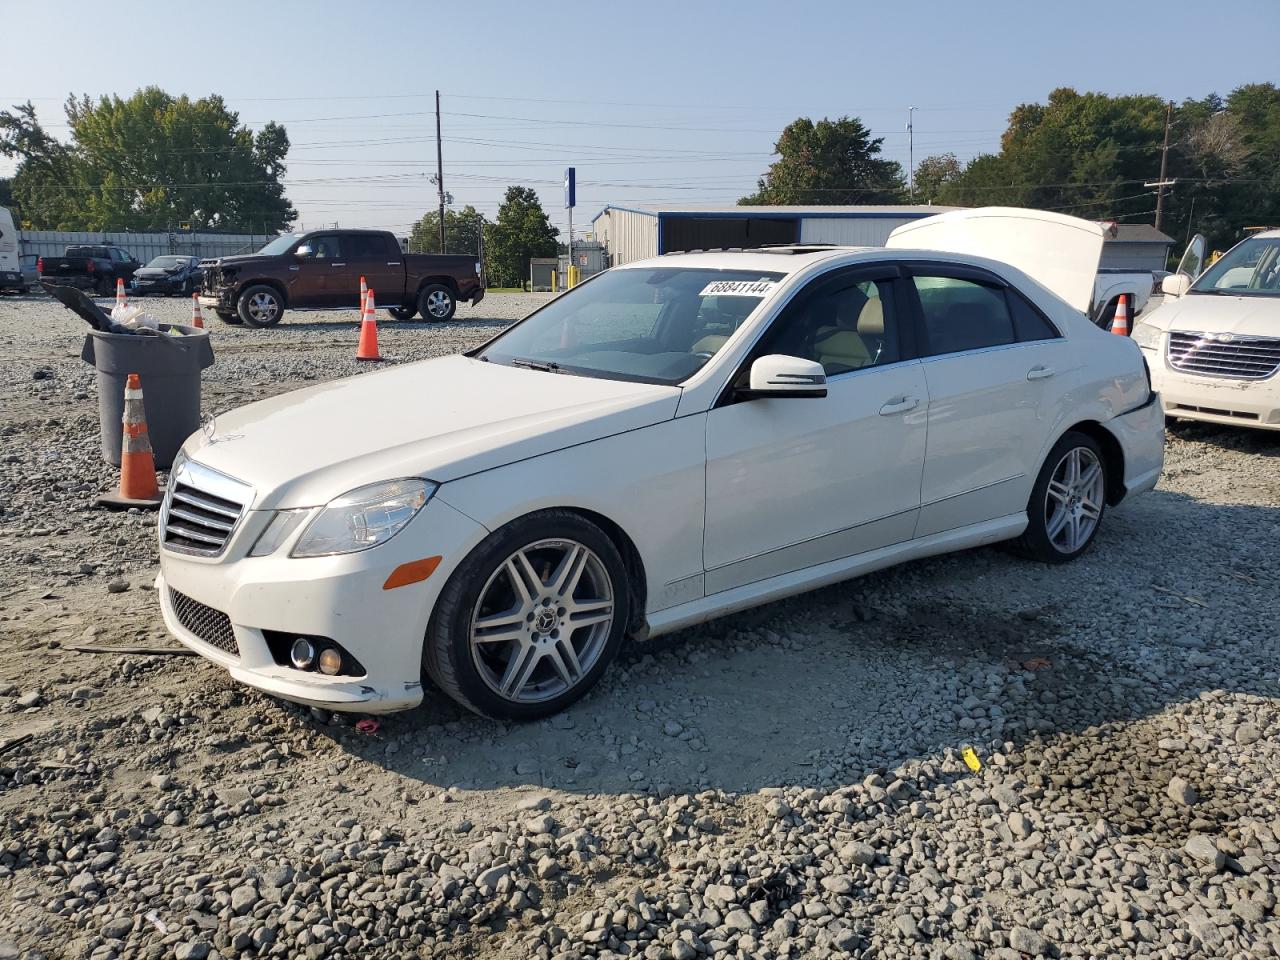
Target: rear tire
[403, 313]
[1067, 503]
[233, 319]
[520, 651]
[437, 302]
[260, 306]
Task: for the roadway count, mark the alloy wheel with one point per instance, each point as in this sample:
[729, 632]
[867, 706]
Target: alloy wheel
[1074, 499]
[438, 303]
[542, 621]
[263, 307]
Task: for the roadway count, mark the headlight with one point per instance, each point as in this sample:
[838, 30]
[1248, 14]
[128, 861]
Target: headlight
[1146, 336]
[364, 518]
[277, 532]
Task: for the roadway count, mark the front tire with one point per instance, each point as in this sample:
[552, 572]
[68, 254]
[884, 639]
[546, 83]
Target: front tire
[1067, 502]
[437, 302]
[531, 618]
[260, 306]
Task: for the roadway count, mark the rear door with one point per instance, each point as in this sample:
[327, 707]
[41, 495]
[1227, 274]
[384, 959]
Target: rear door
[370, 255]
[999, 374]
[323, 278]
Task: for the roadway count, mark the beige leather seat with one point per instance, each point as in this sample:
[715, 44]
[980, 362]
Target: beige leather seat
[850, 346]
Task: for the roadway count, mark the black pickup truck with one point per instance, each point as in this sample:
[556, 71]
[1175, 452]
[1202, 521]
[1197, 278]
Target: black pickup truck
[89, 267]
[321, 270]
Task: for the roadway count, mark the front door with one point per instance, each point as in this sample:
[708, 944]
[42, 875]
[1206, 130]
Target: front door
[792, 483]
[998, 376]
[323, 278]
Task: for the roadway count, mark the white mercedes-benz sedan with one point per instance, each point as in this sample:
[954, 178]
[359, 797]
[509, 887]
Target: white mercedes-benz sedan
[672, 440]
[1214, 346]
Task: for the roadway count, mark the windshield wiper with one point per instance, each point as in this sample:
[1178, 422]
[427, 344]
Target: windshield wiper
[549, 366]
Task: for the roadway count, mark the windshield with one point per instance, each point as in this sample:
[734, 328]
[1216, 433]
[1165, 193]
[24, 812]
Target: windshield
[1249, 268]
[280, 244]
[654, 325]
[166, 262]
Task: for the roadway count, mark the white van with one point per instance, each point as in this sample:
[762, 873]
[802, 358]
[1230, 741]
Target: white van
[11, 277]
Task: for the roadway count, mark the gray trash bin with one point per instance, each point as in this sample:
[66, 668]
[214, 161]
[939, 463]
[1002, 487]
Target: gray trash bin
[169, 368]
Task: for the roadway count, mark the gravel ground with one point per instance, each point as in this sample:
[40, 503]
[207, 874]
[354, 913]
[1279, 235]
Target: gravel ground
[786, 782]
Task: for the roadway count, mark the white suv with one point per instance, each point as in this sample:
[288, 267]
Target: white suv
[1214, 345]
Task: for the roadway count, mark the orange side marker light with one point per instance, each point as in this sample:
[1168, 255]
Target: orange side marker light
[413, 572]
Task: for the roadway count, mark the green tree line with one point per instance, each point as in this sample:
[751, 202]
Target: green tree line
[148, 162]
[521, 231]
[1085, 154]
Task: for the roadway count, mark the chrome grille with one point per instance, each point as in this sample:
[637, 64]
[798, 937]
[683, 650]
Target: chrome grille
[1224, 355]
[201, 510]
[210, 625]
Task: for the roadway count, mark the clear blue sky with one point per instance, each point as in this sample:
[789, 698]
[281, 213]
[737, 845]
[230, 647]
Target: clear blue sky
[672, 101]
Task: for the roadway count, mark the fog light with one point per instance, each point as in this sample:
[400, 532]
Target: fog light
[330, 661]
[302, 654]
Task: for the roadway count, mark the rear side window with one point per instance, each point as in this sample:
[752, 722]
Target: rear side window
[963, 315]
[365, 245]
[1028, 322]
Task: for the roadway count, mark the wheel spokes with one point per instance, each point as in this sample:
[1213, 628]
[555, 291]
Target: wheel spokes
[519, 670]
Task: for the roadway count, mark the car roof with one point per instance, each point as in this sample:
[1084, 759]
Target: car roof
[786, 259]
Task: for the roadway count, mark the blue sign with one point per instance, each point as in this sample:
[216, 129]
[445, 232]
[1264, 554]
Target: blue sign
[570, 189]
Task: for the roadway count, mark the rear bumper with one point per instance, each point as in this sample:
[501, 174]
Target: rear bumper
[1237, 403]
[79, 281]
[1140, 433]
[11, 281]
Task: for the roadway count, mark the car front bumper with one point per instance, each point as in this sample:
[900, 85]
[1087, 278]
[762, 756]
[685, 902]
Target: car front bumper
[1238, 403]
[340, 598]
[155, 286]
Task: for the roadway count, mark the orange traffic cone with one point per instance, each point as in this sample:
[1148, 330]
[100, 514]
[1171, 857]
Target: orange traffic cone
[1120, 325]
[197, 318]
[364, 295]
[121, 299]
[368, 349]
[137, 465]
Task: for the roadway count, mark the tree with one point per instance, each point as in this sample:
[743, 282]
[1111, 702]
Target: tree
[1090, 155]
[933, 173]
[149, 162]
[521, 232]
[829, 162]
[462, 231]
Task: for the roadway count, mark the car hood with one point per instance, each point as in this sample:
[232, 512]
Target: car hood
[1218, 313]
[156, 273]
[239, 260]
[440, 419]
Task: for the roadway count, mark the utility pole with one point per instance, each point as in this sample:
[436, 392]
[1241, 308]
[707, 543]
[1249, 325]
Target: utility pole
[440, 170]
[1164, 165]
[911, 155]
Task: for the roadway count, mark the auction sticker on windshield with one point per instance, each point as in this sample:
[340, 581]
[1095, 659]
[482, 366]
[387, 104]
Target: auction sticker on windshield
[738, 288]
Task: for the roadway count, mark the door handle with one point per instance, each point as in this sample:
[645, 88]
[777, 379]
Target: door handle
[899, 405]
[335, 264]
[1040, 373]
[393, 263]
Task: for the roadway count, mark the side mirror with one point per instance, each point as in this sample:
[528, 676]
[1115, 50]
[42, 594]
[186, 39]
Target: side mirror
[1175, 285]
[304, 251]
[777, 375]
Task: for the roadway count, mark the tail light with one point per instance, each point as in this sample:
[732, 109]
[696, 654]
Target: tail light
[39, 264]
[91, 267]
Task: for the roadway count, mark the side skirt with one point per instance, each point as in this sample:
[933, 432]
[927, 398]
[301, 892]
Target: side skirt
[801, 581]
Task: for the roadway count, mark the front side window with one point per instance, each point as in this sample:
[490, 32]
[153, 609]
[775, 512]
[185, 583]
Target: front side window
[1251, 268]
[844, 327]
[962, 315]
[651, 324]
[325, 248]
